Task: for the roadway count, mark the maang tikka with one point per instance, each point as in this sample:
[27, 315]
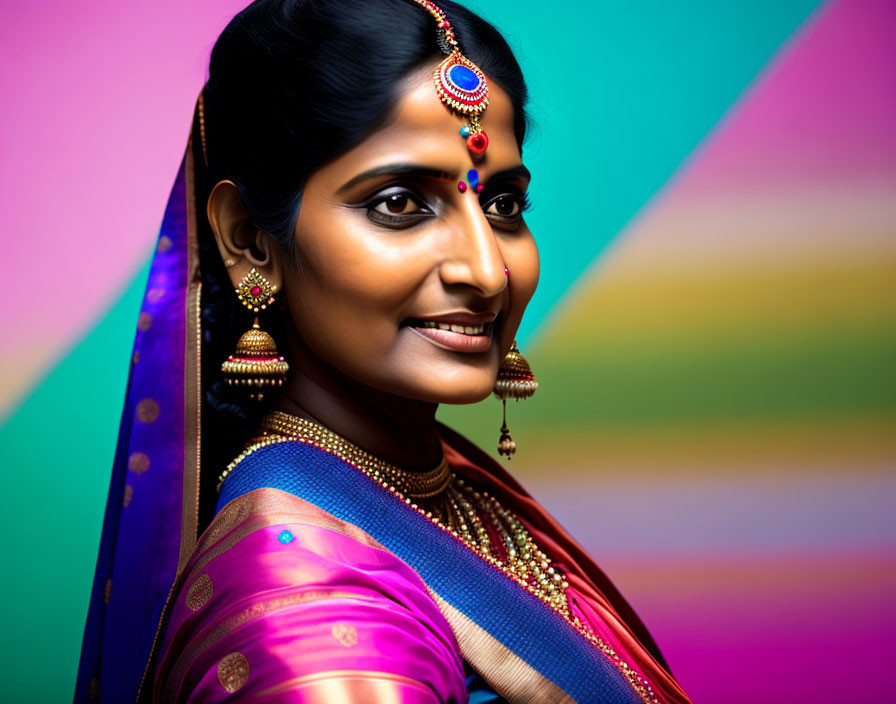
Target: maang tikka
[256, 364]
[460, 83]
[515, 380]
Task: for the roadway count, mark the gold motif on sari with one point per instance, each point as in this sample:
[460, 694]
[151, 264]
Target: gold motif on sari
[233, 671]
[345, 634]
[199, 593]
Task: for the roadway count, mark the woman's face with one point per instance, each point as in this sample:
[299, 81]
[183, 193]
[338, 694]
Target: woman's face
[390, 252]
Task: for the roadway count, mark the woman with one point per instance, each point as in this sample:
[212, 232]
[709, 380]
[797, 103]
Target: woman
[355, 175]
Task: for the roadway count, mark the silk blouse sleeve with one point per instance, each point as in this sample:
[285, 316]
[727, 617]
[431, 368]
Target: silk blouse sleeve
[282, 602]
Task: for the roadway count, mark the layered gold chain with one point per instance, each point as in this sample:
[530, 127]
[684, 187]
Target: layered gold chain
[475, 517]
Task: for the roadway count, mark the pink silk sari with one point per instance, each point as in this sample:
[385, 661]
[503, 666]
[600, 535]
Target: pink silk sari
[283, 602]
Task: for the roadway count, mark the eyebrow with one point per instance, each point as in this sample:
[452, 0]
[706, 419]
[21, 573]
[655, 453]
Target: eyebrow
[395, 169]
[514, 172]
[421, 171]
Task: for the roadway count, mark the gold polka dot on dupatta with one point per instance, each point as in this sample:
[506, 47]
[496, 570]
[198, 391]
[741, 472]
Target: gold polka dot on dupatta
[147, 410]
[138, 462]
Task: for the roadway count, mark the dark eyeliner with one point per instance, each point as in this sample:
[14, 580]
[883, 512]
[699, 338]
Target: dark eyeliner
[495, 194]
[397, 222]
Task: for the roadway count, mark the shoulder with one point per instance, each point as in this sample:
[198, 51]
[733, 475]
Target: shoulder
[280, 591]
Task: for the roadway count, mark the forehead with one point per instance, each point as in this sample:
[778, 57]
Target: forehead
[423, 130]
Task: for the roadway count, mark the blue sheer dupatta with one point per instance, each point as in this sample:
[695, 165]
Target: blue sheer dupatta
[150, 524]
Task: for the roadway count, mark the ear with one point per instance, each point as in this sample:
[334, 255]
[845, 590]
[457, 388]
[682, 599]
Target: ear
[241, 244]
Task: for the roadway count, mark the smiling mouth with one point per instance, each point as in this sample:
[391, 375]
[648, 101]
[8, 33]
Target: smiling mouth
[464, 329]
[454, 336]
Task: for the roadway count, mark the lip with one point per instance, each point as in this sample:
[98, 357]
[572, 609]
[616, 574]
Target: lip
[457, 341]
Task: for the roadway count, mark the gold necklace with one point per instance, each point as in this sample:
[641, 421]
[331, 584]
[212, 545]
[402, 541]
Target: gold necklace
[416, 484]
[458, 509]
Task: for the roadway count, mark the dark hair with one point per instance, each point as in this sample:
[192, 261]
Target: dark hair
[292, 84]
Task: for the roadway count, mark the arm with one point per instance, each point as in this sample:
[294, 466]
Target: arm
[296, 606]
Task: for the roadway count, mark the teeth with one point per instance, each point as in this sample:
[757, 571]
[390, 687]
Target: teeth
[465, 329]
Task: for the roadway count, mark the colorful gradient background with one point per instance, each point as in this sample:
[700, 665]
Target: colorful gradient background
[715, 330]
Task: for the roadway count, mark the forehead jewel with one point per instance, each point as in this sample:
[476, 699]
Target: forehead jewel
[460, 83]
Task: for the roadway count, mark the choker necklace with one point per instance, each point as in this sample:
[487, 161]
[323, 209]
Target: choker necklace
[414, 484]
[474, 517]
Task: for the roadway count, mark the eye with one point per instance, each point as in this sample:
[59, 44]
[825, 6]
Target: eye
[397, 204]
[507, 208]
[397, 208]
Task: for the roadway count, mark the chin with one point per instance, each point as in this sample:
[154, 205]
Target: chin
[462, 393]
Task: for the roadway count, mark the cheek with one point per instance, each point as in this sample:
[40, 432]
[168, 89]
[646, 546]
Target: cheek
[524, 266]
[351, 284]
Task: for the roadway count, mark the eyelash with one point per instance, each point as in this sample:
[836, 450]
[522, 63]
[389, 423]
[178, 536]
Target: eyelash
[522, 199]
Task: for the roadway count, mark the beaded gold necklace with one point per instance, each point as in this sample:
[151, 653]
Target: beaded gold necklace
[475, 517]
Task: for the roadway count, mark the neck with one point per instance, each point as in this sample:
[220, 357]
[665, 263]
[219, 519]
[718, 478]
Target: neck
[400, 430]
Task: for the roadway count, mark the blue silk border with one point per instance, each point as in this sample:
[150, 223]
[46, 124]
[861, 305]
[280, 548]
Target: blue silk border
[518, 620]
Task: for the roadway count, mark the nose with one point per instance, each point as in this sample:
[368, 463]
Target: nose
[472, 256]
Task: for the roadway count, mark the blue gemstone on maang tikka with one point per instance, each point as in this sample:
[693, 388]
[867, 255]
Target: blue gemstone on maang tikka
[465, 131]
[463, 78]
[473, 177]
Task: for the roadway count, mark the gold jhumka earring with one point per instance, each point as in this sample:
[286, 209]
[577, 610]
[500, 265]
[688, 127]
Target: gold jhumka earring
[256, 364]
[515, 380]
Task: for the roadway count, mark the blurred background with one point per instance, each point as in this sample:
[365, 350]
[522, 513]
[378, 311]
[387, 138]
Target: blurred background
[714, 332]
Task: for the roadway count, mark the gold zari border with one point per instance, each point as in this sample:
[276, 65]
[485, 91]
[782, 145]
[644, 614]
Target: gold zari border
[507, 673]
